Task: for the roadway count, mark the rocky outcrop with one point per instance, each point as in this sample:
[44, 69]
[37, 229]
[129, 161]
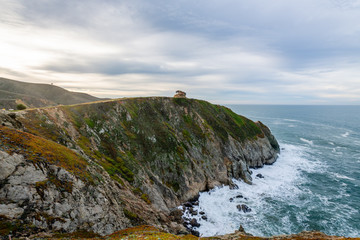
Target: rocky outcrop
[109, 165]
[180, 94]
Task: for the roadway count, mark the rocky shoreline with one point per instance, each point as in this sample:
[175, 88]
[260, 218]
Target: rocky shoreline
[95, 167]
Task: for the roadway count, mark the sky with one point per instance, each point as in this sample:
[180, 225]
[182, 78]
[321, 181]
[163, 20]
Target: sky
[223, 51]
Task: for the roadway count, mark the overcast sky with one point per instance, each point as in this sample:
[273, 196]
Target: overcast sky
[223, 51]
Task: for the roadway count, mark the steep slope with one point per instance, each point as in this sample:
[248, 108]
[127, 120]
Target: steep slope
[38, 95]
[143, 157]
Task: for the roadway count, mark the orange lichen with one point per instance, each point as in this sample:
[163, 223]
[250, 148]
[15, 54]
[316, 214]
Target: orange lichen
[147, 232]
[41, 151]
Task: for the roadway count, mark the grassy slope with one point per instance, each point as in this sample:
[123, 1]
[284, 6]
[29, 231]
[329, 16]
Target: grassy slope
[39, 95]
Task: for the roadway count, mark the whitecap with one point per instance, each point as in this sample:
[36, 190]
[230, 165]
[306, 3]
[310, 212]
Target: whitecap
[340, 176]
[307, 141]
[280, 183]
[291, 120]
[345, 134]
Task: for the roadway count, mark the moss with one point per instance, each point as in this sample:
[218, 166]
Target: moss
[61, 185]
[133, 217]
[117, 167]
[77, 235]
[84, 143]
[148, 232]
[145, 197]
[225, 122]
[20, 106]
[13, 227]
[181, 152]
[117, 179]
[137, 191]
[89, 122]
[43, 216]
[174, 185]
[37, 122]
[66, 124]
[181, 101]
[192, 126]
[186, 135]
[41, 187]
[142, 195]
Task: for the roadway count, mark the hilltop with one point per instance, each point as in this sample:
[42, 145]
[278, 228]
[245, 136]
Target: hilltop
[35, 95]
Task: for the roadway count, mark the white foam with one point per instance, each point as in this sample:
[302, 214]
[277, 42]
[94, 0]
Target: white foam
[345, 134]
[291, 120]
[307, 141]
[340, 176]
[279, 184]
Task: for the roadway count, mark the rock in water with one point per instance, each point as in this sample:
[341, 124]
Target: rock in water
[243, 207]
[194, 223]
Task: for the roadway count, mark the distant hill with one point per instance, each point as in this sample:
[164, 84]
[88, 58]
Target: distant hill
[38, 95]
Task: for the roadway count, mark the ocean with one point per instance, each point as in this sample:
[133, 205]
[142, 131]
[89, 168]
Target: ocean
[314, 184]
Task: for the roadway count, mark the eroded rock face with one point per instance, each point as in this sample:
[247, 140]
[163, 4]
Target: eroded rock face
[28, 192]
[144, 158]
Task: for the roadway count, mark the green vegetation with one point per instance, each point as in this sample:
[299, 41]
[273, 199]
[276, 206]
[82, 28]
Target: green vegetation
[77, 235]
[43, 152]
[142, 195]
[8, 226]
[133, 217]
[147, 232]
[20, 107]
[126, 136]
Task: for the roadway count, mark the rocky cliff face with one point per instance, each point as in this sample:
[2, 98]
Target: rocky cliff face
[106, 166]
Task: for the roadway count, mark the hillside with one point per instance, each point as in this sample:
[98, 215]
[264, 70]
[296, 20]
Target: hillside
[105, 166]
[37, 95]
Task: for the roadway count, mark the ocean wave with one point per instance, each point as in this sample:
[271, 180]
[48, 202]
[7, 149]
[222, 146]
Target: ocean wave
[345, 134]
[279, 186]
[340, 176]
[307, 141]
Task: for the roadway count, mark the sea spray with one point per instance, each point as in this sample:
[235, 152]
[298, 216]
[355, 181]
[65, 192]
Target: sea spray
[267, 198]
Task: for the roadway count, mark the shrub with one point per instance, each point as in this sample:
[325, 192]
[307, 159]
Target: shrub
[20, 107]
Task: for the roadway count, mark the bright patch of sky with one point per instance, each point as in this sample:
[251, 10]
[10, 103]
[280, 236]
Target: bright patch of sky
[228, 51]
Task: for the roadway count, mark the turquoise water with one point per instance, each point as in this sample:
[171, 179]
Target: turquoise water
[314, 185]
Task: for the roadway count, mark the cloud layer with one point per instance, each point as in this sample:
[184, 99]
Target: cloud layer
[230, 51]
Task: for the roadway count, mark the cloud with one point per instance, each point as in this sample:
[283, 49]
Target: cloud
[230, 51]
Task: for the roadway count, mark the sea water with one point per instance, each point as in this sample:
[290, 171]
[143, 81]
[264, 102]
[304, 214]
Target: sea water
[314, 184]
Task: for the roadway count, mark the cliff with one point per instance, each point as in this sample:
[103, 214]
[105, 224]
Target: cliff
[105, 166]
